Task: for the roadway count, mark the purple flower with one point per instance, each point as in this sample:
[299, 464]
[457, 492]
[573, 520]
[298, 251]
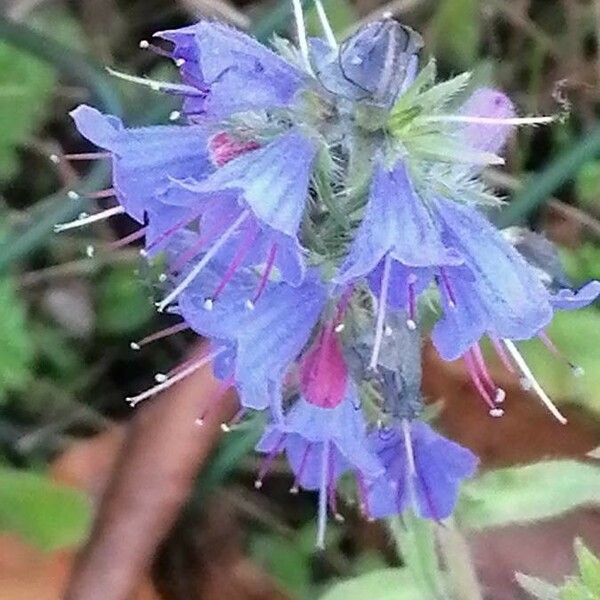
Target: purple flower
[231, 72]
[321, 445]
[267, 337]
[145, 160]
[423, 471]
[566, 299]
[487, 103]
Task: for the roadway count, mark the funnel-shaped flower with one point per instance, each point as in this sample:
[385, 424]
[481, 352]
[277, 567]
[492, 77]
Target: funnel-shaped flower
[233, 72]
[267, 337]
[423, 471]
[321, 445]
[145, 160]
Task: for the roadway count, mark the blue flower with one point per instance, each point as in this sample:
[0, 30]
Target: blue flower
[232, 72]
[423, 472]
[321, 445]
[268, 336]
[145, 160]
[376, 63]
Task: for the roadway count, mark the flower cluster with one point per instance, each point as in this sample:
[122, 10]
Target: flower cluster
[310, 204]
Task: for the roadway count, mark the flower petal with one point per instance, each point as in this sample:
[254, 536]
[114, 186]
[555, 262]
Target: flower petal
[573, 300]
[398, 222]
[240, 73]
[145, 160]
[487, 102]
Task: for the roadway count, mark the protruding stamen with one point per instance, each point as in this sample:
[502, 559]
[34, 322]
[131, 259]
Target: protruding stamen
[73, 195]
[522, 364]
[264, 279]
[322, 519]
[89, 219]
[381, 310]
[266, 464]
[159, 86]
[90, 251]
[326, 25]
[58, 158]
[476, 379]
[501, 352]
[479, 362]
[575, 369]
[128, 239]
[204, 261]
[412, 303]
[296, 485]
[448, 289]
[301, 29]
[160, 377]
[175, 115]
[239, 257]
[101, 194]
[171, 381]
[159, 335]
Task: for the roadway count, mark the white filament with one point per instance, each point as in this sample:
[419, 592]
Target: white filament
[326, 25]
[205, 260]
[518, 358]
[489, 120]
[301, 28]
[101, 216]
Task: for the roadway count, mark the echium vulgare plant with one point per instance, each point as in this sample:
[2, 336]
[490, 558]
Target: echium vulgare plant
[310, 203]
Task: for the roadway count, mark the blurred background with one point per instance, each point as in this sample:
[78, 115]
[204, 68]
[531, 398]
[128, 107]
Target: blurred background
[70, 305]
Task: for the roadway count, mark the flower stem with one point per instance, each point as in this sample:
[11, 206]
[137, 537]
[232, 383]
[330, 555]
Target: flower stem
[415, 544]
[461, 575]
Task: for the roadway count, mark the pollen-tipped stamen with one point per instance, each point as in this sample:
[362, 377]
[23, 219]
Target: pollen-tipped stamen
[239, 257]
[576, 369]
[268, 461]
[89, 219]
[475, 377]
[298, 478]
[447, 287]
[411, 322]
[171, 381]
[264, 279]
[204, 261]
[479, 361]
[523, 366]
[159, 335]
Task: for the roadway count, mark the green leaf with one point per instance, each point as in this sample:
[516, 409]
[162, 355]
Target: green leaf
[575, 590]
[284, 560]
[16, 346]
[577, 334]
[587, 183]
[26, 86]
[456, 31]
[538, 588]
[384, 584]
[589, 566]
[123, 306]
[529, 493]
[49, 515]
